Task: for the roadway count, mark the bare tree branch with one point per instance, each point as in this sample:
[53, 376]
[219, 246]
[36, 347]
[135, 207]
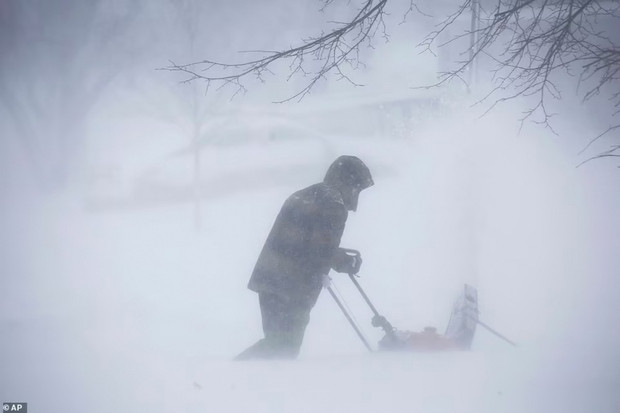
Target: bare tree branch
[531, 42]
[316, 58]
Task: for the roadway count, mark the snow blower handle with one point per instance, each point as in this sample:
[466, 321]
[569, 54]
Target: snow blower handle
[349, 319]
[378, 320]
[356, 259]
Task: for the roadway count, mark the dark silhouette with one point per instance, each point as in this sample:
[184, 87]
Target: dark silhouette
[300, 250]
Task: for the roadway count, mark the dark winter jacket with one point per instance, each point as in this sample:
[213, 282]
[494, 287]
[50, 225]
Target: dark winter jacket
[299, 248]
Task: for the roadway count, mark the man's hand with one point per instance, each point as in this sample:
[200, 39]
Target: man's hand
[345, 261]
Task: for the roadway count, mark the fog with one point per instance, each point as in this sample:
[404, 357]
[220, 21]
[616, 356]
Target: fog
[125, 258]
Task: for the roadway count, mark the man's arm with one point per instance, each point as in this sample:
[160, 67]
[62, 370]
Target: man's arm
[327, 233]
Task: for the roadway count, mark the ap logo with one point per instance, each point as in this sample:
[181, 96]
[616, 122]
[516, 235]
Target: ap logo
[15, 407]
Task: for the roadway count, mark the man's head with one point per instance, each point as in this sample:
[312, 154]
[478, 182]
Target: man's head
[350, 176]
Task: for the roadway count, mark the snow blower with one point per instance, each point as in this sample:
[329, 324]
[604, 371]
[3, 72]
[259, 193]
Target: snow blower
[458, 335]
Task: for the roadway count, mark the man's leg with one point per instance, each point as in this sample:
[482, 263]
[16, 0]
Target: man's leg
[284, 325]
[274, 313]
[285, 321]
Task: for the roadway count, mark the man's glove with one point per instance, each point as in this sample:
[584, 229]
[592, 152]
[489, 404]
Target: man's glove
[346, 262]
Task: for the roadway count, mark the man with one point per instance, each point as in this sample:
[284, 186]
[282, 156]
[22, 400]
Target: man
[300, 250]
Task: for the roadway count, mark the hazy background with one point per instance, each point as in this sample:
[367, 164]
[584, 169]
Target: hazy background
[121, 291]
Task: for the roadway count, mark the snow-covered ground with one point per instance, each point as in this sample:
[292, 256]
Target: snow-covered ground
[136, 311]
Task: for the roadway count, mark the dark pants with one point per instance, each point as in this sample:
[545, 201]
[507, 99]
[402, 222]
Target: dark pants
[284, 324]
